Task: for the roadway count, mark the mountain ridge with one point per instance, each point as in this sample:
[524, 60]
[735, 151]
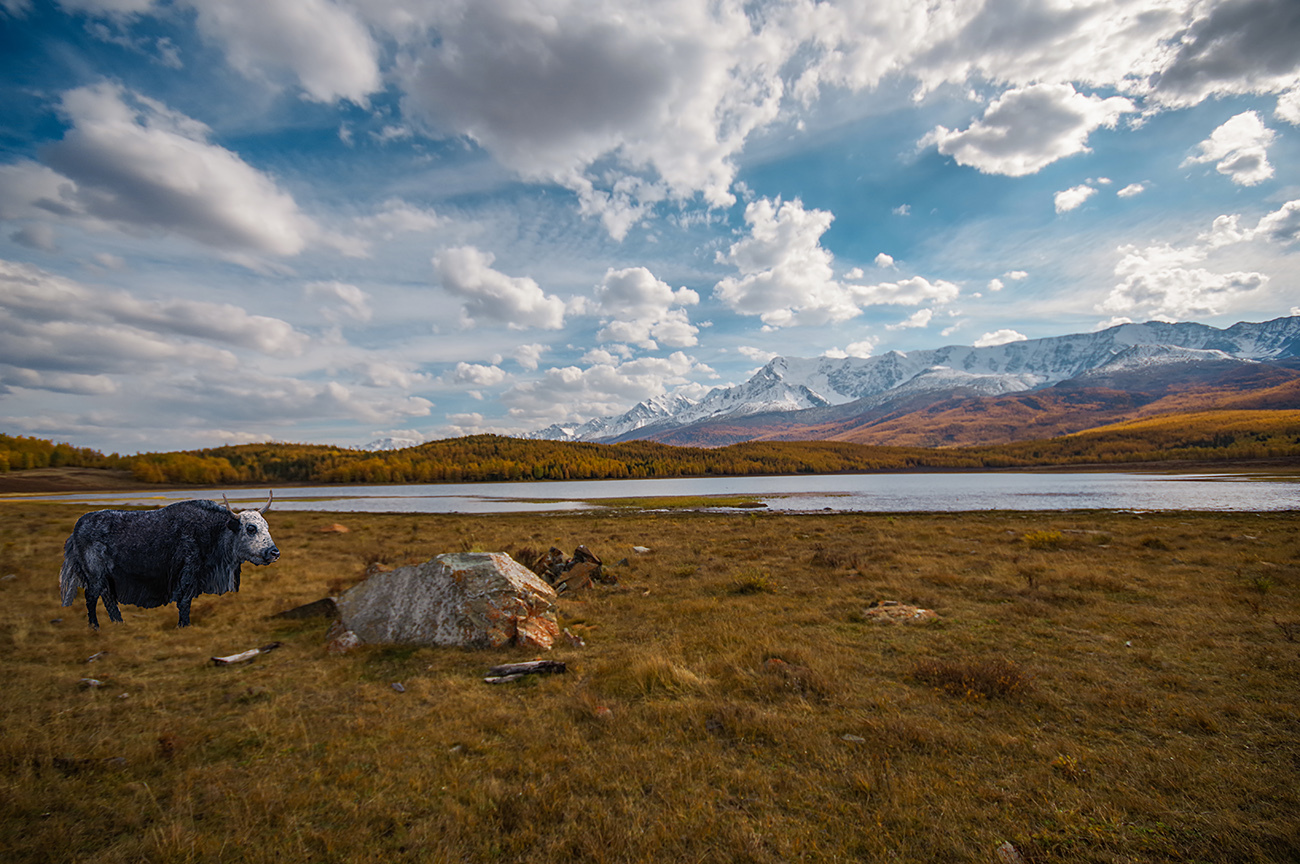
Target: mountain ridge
[824, 398]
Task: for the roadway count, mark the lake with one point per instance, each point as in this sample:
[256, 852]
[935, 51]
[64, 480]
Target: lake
[876, 493]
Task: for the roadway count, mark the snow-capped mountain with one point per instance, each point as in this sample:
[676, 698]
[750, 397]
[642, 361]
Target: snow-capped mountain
[391, 443]
[787, 384]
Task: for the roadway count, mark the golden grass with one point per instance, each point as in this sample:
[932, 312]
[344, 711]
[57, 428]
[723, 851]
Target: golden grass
[1126, 691]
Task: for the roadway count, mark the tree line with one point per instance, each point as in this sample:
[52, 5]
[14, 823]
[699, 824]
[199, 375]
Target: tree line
[1208, 436]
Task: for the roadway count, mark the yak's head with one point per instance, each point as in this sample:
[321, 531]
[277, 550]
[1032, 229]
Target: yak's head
[252, 534]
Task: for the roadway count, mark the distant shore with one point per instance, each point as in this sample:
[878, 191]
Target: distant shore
[54, 481]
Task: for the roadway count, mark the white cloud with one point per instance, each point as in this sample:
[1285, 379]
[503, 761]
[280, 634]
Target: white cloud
[786, 276]
[1288, 107]
[492, 296]
[996, 285]
[320, 44]
[640, 309]
[1132, 189]
[920, 318]
[883, 260]
[903, 210]
[1072, 198]
[1241, 148]
[999, 337]
[906, 292]
[759, 355]
[399, 217]
[478, 375]
[1016, 275]
[529, 356]
[1164, 281]
[355, 302]
[571, 394]
[130, 162]
[1283, 224]
[863, 347]
[1026, 129]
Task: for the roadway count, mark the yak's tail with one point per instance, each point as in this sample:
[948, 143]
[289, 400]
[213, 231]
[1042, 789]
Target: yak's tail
[70, 577]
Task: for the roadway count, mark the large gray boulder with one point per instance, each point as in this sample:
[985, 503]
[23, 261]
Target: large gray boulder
[480, 599]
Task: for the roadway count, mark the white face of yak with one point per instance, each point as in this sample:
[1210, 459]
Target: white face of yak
[255, 543]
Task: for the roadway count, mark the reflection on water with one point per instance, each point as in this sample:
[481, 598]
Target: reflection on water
[888, 493]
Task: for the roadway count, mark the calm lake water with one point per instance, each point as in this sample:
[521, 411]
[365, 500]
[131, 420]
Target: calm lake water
[888, 493]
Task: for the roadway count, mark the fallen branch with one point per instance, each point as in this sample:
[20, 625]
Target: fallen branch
[514, 671]
[244, 655]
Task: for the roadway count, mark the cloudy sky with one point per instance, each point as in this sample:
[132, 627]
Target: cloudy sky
[334, 220]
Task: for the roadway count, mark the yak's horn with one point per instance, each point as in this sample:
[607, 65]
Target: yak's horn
[267, 505]
[226, 501]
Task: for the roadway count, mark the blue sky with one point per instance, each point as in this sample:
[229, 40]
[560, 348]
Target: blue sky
[331, 221]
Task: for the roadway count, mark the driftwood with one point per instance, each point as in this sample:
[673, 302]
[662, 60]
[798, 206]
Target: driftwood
[244, 655]
[514, 671]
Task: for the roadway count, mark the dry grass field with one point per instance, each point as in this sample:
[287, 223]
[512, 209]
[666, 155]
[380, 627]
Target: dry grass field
[1099, 687]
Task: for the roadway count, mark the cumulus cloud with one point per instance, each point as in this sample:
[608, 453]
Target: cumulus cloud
[1240, 146]
[920, 318]
[883, 261]
[862, 348]
[999, 337]
[996, 285]
[1282, 225]
[529, 356]
[759, 355]
[130, 162]
[645, 311]
[321, 45]
[1166, 281]
[491, 296]
[1072, 198]
[478, 375]
[1026, 129]
[906, 292]
[1240, 46]
[354, 302]
[1288, 107]
[398, 217]
[573, 394]
[1131, 190]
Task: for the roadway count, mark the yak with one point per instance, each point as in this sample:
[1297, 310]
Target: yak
[156, 557]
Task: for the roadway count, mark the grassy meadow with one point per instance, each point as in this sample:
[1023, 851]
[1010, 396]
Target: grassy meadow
[1099, 687]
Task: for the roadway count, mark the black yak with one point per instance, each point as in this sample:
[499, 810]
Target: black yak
[154, 557]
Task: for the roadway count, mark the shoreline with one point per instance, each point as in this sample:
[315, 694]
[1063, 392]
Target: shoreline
[15, 485]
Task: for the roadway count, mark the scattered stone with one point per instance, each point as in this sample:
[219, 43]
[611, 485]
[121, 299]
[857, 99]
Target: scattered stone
[90, 683]
[573, 574]
[93, 657]
[514, 671]
[853, 739]
[1008, 854]
[322, 608]
[603, 713]
[640, 550]
[893, 612]
[336, 528]
[479, 599]
[622, 562]
[577, 577]
[56, 620]
[339, 639]
[244, 656]
[399, 687]
[573, 639]
[551, 565]
[8, 577]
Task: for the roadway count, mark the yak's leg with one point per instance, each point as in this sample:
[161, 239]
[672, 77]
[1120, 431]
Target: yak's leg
[110, 601]
[183, 607]
[91, 600]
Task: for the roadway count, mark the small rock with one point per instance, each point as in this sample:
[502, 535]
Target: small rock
[93, 657]
[90, 683]
[398, 686]
[8, 577]
[1008, 854]
[604, 713]
[640, 550]
[573, 639]
[853, 739]
[336, 528]
[339, 639]
[892, 612]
